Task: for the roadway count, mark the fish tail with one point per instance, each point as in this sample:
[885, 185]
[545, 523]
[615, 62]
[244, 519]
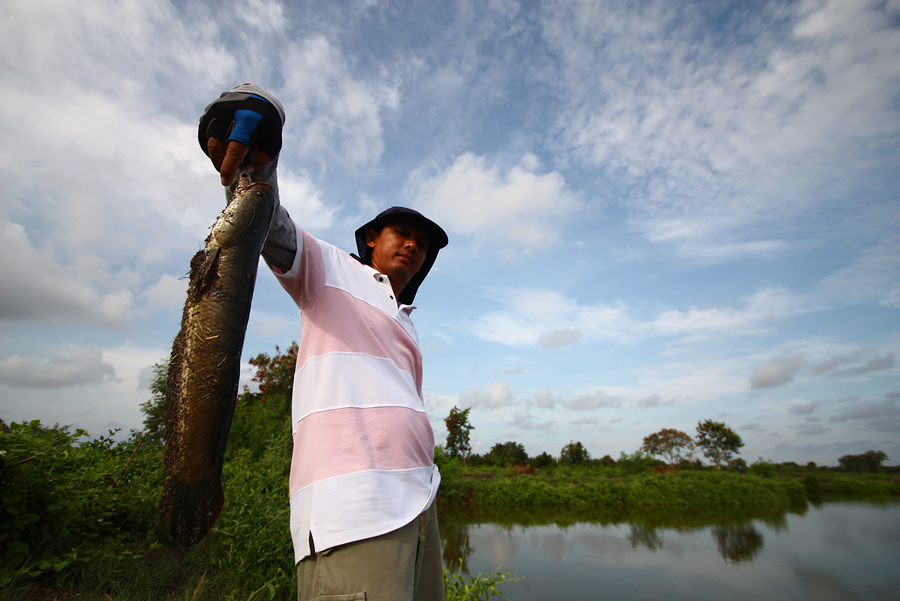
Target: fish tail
[189, 510]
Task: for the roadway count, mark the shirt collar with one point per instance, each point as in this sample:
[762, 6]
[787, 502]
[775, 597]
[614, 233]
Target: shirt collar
[385, 282]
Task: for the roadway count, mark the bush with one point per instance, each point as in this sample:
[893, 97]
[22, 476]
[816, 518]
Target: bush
[636, 463]
[763, 468]
[64, 501]
[450, 467]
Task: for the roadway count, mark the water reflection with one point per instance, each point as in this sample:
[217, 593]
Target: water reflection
[737, 543]
[732, 529]
[822, 551]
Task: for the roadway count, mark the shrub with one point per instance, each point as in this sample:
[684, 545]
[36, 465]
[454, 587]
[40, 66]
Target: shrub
[763, 468]
[636, 463]
[64, 500]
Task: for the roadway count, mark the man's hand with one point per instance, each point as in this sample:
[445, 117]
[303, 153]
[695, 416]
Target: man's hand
[226, 157]
[241, 129]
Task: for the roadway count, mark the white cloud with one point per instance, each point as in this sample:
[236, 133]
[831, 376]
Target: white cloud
[167, 294]
[871, 277]
[758, 312]
[37, 287]
[872, 365]
[496, 396]
[881, 415]
[710, 138]
[81, 366]
[339, 115]
[303, 200]
[776, 372]
[592, 400]
[805, 408]
[519, 210]
[547, 318]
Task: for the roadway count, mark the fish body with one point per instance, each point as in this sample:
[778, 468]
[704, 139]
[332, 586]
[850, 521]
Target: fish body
[202, 384]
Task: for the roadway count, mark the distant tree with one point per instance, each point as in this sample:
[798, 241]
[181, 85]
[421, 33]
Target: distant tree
[672, 445]
[574, 453]
[154, 409]
[544, 460]
[870, 461]
[263, 418]
[607, 461]
[274, 374]
[717, 441]
[508, 453]
[458, 428]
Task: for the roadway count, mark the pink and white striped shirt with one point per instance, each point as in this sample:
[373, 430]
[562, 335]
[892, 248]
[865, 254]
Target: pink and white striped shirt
[363, 459]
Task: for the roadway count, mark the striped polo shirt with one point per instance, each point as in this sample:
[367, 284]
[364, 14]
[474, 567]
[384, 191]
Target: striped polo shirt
[363, 458]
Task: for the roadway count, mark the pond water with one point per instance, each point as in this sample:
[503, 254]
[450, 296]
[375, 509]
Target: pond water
[831, 551]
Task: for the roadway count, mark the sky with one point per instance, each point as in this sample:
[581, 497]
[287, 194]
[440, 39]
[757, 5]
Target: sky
[659, 212]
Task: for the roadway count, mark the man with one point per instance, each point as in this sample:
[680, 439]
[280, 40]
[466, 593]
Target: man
[363, 479]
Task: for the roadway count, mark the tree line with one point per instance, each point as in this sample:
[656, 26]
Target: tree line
[669, 447]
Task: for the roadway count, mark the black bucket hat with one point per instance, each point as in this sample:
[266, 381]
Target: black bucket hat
[437, 239]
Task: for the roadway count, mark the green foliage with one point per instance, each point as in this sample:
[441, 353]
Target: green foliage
[275, 374]
[154, 409]
[574, 453]
[63, 501]
[250, 545]
[583, 489]
[636, 463]
[507, 454]
[261, 417]
[672, 445]
[763, 468]
[544, 460]
[858, 485]
[869, 462]
[458, 428]
[459, 586]
[717, 441]
[448, 466]
[812, 486]
[607, 461]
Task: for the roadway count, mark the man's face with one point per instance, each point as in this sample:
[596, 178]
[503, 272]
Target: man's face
[398, 250]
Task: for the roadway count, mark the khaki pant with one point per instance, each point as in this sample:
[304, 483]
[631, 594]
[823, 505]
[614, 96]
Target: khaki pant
[403, 565]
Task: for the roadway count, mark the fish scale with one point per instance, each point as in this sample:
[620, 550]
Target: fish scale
[204, 368]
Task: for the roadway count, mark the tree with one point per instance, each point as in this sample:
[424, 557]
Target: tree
[263, 418]
[154, 409]
[870, 461]
[672, 445]
[458, 428]
[274, 374]
[508, 453]
[574, 453]
[544, 460]
[717, 441]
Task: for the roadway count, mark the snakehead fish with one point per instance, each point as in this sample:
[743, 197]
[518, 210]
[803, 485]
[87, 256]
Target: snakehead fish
[202, 385]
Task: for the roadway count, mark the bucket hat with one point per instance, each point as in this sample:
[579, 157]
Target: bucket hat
[437, 239]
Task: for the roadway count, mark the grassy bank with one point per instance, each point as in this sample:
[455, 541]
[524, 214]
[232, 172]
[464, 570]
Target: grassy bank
[590, 486]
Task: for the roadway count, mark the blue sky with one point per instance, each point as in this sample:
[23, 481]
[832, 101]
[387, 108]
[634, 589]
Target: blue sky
[659, 212]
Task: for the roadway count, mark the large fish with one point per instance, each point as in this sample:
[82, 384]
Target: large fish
[202, 385]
